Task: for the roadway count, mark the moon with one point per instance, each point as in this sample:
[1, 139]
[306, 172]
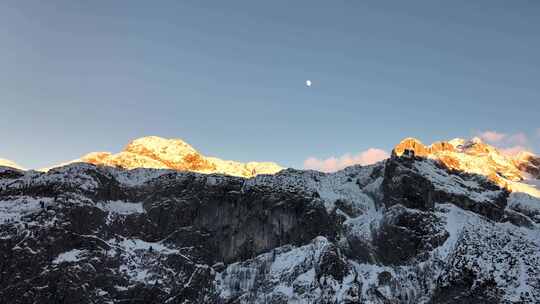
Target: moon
[308, 83]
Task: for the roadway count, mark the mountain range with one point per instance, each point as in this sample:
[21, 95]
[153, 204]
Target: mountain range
[452, 222]
[161, 153]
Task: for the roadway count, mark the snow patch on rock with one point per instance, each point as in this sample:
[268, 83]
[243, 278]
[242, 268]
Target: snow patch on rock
[122, 208]
[71, 256]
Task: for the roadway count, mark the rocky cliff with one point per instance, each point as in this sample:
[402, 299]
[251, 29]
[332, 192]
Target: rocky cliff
[410, 229]
[476, 157]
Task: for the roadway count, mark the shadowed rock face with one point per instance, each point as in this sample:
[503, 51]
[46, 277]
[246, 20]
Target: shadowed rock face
[403, 231]
[406, 235]
[239, 222]
[407, 186]
[207, 219]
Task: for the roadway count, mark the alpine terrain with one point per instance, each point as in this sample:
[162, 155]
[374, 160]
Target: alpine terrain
[452, 222]
[161, 153]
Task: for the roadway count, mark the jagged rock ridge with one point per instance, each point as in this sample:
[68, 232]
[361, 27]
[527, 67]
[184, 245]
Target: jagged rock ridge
[406, 230]
[476, 157]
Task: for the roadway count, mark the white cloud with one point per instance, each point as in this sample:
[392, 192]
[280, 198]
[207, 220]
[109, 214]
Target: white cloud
[332, 164]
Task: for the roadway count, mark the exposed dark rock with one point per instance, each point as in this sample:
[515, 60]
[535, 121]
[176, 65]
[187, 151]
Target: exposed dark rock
[402, 185]
[405, 184]
[405, 234]
[332, 263]
[407, 230]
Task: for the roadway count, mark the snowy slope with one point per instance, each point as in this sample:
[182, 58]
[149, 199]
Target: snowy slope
[406, 230]
[8, 163]
[476, 157]
[160, 153]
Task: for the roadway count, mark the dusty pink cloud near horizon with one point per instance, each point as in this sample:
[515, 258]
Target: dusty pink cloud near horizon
[509, 144]
[519, 138]
[492, 136]
[332, 164]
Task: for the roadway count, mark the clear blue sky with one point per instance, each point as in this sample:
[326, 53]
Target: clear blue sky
[228, 76]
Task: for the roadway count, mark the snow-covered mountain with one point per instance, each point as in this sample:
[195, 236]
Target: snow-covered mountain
[419, 228]
[9, 163]
[160, 153]
[473, 156]
[529, 163]
[476, 157]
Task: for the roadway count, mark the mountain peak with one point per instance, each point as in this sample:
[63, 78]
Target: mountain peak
[476, 157]
[476, 140]
[172, 153]
[456, 142]
[413, 144]
[156, 145]
[8, 163]
[162, 153]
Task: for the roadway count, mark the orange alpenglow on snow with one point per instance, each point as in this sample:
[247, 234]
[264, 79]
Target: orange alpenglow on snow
[161, 153]
[528, 162]
[476, 157]
[471, 156]
[8, 163]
